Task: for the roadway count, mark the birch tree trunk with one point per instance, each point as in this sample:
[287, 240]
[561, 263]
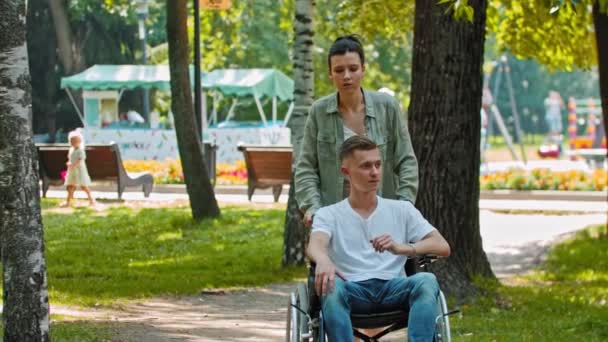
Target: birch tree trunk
[25, 298]
[295, 234]
[198, 185]
[445, 129]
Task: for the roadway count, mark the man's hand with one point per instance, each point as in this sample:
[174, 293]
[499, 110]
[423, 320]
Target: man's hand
[325, 274]
[386, 243]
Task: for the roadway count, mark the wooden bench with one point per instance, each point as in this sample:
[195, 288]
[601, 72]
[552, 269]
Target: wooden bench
[267, 166]
[103, 163]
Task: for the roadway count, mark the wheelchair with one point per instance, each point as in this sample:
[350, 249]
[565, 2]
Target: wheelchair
[305, 318]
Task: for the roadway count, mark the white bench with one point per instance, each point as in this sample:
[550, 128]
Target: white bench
[593, 156]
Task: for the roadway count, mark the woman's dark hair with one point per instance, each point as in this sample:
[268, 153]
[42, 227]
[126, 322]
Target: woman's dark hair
[344, 44]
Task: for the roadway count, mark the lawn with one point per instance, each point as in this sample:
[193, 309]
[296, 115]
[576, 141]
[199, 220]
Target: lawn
[66, 329]
[99, 258]
[565, 300]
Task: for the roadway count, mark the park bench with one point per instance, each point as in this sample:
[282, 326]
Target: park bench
[267, 166]
[595, 157]
[103, 163]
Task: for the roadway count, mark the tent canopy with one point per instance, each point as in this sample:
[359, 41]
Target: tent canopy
[250, 82]
[116, 77]
[231, 82]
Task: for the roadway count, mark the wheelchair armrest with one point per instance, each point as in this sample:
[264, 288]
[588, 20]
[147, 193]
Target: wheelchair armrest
[426, 259]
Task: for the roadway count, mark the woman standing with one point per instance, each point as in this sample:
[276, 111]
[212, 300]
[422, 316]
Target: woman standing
[349, 111]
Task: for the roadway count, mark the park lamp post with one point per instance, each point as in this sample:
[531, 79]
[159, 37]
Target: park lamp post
[142, 15]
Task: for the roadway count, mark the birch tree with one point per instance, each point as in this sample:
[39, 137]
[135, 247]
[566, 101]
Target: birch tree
[25, 297]
[295, 235]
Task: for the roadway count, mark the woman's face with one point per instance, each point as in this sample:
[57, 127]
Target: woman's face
[346, 72]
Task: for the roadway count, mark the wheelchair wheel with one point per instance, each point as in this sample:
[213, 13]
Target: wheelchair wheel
[304, 328]
[318, 332]
[297, 315]
[292, 332]
[442, 322]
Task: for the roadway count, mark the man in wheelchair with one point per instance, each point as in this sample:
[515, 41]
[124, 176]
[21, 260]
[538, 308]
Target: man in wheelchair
[360, 246]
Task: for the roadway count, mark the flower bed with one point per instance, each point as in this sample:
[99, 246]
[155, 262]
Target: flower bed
[544, 179]
[164, 172]
[232, 174]
[170, 171]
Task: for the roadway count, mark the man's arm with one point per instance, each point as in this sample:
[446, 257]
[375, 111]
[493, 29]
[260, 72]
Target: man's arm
[431, 243]
[325, 270]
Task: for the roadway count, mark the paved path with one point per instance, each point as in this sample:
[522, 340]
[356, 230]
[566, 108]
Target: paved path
[266, 197]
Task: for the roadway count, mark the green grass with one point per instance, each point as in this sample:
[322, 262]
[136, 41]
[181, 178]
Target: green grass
[99, 258]
[530, 140]
[538, 212]
[567, 300]
[65, 330]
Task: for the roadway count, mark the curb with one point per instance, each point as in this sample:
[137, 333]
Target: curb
[545, 195]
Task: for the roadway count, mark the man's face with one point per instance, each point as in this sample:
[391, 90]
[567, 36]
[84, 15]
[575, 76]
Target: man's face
[364, 170]
[346, 71]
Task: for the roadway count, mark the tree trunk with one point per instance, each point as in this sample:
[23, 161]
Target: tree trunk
[198, 185]
[64, 36]
[295, 234]
[42, 52]
[600, 21]
[445, 129]
[26, 308]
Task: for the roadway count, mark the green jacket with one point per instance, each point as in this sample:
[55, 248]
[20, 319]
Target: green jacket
[318, 180]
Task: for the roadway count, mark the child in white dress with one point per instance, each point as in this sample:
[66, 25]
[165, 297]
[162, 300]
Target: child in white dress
[77, 173]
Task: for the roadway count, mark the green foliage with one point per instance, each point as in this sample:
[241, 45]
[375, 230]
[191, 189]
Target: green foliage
[460, 9]
[557, 34]
[565, 301]
[392, 20]
[100, 258]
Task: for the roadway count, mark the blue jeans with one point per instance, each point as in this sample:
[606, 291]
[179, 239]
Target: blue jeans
[418, 292]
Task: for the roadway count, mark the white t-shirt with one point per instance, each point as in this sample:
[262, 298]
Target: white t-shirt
[350, 234]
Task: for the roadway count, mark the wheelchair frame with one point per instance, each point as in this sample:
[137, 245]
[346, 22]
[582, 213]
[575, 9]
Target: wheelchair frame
[305, 318]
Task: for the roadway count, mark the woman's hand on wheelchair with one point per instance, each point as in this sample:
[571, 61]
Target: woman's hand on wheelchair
[307, 220]
[325, 273]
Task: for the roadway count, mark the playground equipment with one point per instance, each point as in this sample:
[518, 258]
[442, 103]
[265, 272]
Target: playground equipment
[493, 113]
[586, 136]
[585, 115]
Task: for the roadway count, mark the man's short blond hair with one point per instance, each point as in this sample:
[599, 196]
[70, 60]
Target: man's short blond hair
[356, 143]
